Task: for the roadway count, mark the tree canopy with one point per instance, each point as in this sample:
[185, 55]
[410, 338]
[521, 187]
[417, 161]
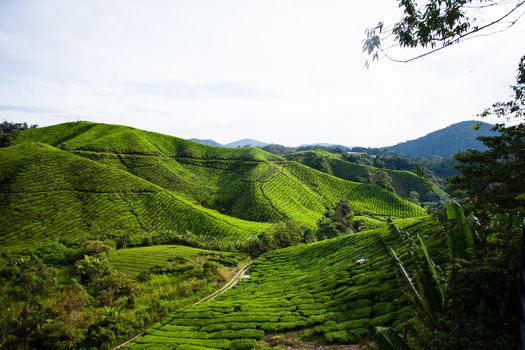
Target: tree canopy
[437, 24]
[481, 293]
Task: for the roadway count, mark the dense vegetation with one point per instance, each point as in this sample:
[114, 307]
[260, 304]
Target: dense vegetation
[446, 142]
[359, 167]
[78, 181]
[90, 296]
[105, 225]
[331, 290]
[8, 131]
[478, 310]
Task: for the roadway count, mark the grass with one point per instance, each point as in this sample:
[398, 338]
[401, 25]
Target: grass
[333, 290]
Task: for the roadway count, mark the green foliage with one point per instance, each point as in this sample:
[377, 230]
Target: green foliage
[436, 24]
[280, 235]
[426, 289]
[460, 237]
[330, 286]
[493, 179]
[377, 170]
[389, 339]
[337, 222]
[8, 131]
[90, 304]
[96, 181]
[168, 258]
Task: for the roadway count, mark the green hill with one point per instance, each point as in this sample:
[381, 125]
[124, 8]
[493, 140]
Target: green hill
[49, 194]
[83, 180]
[327, 291]
[402, 182]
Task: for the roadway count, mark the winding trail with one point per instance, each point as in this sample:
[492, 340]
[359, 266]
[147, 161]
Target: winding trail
[238, 276]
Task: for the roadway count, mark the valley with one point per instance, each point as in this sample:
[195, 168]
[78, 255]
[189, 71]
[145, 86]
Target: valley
[151, 235]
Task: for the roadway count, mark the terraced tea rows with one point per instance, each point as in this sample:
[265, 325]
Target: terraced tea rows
[363, 198]
[334, 289]
[126, 140]
[334, 164]
[115, 181]
[135, 260]
[48, 194]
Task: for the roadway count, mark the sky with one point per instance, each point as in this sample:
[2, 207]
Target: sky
[279, 71]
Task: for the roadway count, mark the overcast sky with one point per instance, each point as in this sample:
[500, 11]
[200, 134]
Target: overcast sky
[280, 71]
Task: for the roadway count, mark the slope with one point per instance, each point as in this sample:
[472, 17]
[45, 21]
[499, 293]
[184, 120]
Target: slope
[445, 142]
[119, 139]
[49, 194]
[403, 182]
[333, 289]
[239, 192]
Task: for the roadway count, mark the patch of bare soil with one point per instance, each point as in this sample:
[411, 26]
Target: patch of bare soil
[292, 341]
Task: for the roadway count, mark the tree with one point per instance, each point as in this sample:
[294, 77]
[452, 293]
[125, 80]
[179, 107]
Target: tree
[481, 294]
[28, 285]
[9, 130]
[437, 24]
[493, 180]
[70, 310]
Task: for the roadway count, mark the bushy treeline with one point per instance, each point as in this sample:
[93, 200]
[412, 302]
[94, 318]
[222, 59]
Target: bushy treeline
[470, 302]
[336, 222]
[8, 131]
[61, 297]
[284, 150]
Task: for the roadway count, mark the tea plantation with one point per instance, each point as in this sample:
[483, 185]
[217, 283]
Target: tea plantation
[133, 261]
[402, 181]
[331, 291]
[82, 180]
[135, 225]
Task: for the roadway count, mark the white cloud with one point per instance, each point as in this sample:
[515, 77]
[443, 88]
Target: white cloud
[281, 71]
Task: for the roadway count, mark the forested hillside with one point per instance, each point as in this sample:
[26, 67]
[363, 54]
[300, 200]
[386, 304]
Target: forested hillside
[446, 142]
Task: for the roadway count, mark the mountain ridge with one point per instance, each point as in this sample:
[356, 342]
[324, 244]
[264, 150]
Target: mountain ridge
[445, 142]
[246, 142]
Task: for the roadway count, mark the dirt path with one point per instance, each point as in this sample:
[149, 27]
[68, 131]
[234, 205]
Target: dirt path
[238, 276]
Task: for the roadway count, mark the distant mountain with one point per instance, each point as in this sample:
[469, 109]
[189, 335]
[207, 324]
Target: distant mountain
[246, 142]
[319, 144]
[206, 142]
[445, 142]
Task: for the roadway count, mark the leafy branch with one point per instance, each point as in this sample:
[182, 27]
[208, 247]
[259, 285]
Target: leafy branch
[437, 24]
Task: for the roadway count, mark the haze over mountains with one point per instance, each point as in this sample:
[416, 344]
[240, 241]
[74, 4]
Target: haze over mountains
[235, 144]
[444, 142]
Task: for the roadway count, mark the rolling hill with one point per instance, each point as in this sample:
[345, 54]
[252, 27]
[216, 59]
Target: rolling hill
[82, 180]
[445, 142]
[403, 182]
